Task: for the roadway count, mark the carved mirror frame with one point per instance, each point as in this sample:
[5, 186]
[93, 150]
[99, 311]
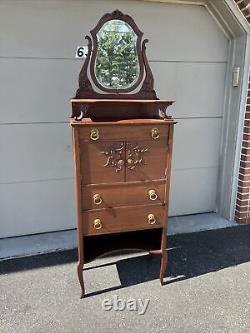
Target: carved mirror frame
[127, 19]
[88, 83]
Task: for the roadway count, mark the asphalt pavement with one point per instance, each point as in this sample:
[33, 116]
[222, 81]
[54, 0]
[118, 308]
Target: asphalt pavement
[207, 289]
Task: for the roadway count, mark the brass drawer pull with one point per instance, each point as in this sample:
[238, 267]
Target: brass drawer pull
[97, 224]
[97, 199]
[151, 219]
[152, 195]
[94, 134]
[155, 133]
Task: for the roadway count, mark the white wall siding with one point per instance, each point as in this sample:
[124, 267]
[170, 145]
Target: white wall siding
[53, 28]
[193, 191]
[36, 206]
[37, 90]
[31, 152]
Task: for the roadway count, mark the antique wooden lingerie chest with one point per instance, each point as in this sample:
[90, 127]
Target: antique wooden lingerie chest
[122, 140]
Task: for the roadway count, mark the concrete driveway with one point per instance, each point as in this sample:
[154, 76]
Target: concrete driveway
[207, 289]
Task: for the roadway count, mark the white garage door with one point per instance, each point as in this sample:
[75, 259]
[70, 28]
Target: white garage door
[188, 55]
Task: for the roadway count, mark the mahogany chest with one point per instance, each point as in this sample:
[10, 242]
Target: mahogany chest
[122, 142]
[122, 173]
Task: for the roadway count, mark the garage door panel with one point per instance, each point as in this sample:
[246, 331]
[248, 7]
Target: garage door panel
[41, 88]
[54, 35]
[40, 75]
[196, 143]
[177, 44]
[35, 152]
[40, 96]
[35, 207]
[197, 88]
[193, 191]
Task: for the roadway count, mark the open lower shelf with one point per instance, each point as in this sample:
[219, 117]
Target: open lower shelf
[96, 246]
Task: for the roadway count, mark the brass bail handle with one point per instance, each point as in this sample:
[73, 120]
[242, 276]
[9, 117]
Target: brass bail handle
[152, 195]
[151, 219]
[97, 224]
[94, 134]
[155, 133]
[97, 199]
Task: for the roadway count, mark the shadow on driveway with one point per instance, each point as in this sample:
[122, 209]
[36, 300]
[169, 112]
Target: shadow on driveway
[190, 255]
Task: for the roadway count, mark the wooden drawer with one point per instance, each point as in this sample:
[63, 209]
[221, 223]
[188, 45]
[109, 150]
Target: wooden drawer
[114, 220]
[123, 132]
[109, 196]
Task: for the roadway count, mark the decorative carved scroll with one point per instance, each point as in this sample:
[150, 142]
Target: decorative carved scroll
[163, 111]
[148, 83]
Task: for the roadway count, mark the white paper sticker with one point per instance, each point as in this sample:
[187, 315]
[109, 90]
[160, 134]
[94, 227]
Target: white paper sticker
[81, 52]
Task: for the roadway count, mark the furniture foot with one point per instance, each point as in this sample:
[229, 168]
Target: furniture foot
[164, 261]
[80, 278]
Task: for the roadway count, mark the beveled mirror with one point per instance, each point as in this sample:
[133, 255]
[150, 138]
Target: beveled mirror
[116, 65]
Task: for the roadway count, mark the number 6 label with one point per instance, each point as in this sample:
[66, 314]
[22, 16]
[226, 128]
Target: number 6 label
[81, 52]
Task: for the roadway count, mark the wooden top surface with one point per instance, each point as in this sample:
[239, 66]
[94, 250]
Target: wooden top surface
[93, 101]
[88, 121]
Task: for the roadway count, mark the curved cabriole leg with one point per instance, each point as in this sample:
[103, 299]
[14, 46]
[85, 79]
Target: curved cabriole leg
[164, 261]
[80, 277]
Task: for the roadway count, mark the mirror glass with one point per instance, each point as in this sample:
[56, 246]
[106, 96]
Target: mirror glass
[116, 65]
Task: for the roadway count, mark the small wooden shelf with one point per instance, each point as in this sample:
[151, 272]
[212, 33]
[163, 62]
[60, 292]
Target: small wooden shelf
[100, 109]
[91, 122]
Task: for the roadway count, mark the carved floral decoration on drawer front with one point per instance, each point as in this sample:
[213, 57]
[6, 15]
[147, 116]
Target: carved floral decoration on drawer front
[115, 156]
[135, 155]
